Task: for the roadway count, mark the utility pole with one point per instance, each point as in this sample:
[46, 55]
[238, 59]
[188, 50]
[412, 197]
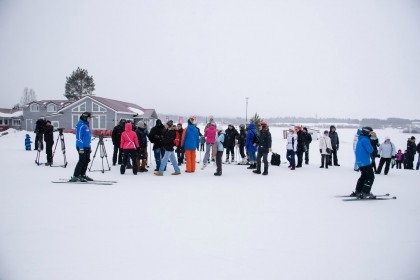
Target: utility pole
[246, 109]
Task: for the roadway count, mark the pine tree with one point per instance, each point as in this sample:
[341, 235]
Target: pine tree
[256, 120]
[79, 84]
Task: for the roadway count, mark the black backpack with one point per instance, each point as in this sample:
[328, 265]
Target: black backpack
[275, 159]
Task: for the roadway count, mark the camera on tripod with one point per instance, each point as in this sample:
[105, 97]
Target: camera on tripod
[60, 130]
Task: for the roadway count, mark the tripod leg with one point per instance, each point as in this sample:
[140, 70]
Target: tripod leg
[94, 155]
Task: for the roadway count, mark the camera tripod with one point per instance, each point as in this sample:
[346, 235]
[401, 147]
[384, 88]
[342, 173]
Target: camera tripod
[102, 153]
[63, 148]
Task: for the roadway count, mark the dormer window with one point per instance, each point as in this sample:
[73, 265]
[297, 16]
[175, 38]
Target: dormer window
[34, 107]
[51, 108]
[97, 108]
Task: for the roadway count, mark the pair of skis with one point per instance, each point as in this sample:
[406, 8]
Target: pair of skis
[94, 182]
[386, 196]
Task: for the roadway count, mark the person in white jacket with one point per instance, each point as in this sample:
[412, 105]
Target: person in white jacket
[291, 148]
[387, 152]
[325, 149]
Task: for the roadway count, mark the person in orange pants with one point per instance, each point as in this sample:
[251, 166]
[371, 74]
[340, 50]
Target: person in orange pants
[190, 141]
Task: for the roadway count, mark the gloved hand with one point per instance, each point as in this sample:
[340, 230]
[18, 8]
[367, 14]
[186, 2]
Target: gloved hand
[81, 151]
[337, 147]
[393, 157]
[320, 151]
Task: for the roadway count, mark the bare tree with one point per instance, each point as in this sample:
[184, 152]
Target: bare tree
[27, 97]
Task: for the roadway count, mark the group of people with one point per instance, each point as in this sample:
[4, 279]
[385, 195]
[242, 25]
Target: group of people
[254, 142]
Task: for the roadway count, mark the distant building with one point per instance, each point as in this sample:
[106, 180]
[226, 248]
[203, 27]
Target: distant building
[65, 114]
[10, 118]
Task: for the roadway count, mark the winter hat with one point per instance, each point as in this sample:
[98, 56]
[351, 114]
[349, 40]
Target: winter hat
[413, 138]
[140, 124]
[387, 138]
[305, 129]
[366, 130]
[298, 127]
[263, 124]
[331, 127]
[325, 131]
[192, 120]
[85, 116]
[169, 123]
[158, 122]
[48, 121]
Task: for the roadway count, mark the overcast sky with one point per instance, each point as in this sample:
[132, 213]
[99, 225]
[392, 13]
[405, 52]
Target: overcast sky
[354, 59]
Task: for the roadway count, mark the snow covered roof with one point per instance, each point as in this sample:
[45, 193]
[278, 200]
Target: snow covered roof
[126, 107]
[10, 113]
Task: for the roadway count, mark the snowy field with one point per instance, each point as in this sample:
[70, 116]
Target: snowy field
[287, 225]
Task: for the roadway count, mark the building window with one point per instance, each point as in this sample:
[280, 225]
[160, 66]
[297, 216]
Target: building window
[5, 122]
[1, 121]
[51, 107]
[16, 122]
[99, 122]
[97, 108]
[34, 107]
[55, 124]
[74, 120]
[81, 108]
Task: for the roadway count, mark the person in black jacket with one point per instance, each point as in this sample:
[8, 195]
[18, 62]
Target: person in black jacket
[264, 147]
[300, 148]
[49, 141]
[142, 134]
[156, 137]
[335, 145]
[374, 141]
[411, 152]
[241, 143]
[307, 140]
[168, 143]
[39, 134]
[230, 140]
[116, 140]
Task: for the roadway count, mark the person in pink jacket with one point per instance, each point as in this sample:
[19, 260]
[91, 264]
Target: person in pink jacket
[129, 146]
[210, 136]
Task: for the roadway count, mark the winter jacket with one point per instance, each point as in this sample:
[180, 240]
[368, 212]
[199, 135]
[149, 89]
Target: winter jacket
[264, 141]
[49, 133]
[129, 140]
[142, 136]
[168, 140]
[418, 148]
[399, 156]
[242, 137]
[374, 141]
[250, 136]
[334, 138]
[300, 141]
[210, 134]
[307, 139]
[179, 132]
[230, 136]
[116, 134]
[190, 137]
[83, 135]
[411, 147]
[220, 139]
[324, 143]
[386, 150]
[156, 135]
[291, 141]
[363, 151]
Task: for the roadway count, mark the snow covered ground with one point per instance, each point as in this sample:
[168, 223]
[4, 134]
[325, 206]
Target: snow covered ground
[287, 225]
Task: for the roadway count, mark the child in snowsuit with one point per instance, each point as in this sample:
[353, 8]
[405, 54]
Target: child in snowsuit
[28, 142]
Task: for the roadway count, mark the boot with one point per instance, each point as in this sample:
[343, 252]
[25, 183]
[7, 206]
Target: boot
[257, 171]
[219, 173]
[265, 170]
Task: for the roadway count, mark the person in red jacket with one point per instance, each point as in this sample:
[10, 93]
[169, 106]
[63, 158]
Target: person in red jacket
[129, 145]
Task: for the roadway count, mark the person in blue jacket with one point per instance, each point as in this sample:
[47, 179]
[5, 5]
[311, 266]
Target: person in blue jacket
[364, 150]
[28, 142]
[83, 139]
[249, 145]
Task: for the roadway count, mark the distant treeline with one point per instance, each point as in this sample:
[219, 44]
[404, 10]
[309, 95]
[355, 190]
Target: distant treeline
[374, 123]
